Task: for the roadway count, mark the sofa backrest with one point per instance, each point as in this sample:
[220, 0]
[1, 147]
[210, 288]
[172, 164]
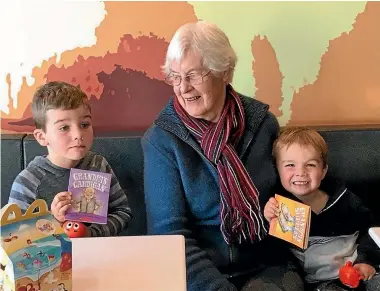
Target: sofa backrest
[353, 156]
[11, 162]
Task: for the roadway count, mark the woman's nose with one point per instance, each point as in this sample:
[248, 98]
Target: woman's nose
[185, 86]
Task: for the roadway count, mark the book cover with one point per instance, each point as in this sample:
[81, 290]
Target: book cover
[90, 193]
[293, 223]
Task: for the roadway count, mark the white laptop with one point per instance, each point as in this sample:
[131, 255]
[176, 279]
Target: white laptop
[135, 263]
[374, 232]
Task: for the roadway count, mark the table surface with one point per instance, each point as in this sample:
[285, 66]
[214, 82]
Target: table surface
[374, 232]
[136, 263]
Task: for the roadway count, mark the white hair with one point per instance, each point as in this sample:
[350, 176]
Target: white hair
[206, 39]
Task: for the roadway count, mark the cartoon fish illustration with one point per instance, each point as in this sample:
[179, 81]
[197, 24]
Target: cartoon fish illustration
[46, 227]
[26, 255]
[20, 265]
[10, 238]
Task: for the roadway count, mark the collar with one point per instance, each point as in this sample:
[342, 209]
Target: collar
[334, 188]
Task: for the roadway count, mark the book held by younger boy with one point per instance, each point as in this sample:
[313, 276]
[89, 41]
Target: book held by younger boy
[293, 222]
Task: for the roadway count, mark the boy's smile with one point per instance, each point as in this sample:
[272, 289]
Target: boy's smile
[68, 135]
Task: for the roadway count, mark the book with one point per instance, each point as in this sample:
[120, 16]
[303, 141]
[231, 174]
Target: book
[90, 192]
[293, 222]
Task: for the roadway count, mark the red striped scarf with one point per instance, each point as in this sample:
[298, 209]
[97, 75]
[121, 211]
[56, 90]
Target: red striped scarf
[240, 213]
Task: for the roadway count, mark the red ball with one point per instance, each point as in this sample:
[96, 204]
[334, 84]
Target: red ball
[349, 275]
[74, 229]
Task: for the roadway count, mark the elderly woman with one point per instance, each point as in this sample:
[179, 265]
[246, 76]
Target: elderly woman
[209, 170]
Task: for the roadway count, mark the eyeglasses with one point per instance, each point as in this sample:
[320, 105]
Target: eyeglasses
[193, 79]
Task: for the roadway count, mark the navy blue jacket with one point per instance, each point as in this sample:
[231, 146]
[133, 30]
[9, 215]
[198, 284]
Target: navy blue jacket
[182, 193]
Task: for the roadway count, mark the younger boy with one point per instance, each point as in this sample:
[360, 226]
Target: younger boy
[62, 116]
[338, 220]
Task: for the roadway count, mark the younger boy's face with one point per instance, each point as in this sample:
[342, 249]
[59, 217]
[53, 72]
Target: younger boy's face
[301, 169]
[68, 136]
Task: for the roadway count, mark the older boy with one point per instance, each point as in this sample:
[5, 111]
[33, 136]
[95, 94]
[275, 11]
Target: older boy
[62, 116]
[338, 220]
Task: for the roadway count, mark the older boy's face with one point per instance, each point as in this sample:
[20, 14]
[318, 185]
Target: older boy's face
[69, 135]
[301, 169]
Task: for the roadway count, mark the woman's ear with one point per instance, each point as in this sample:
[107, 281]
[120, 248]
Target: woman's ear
[40, 136]
[227, 76]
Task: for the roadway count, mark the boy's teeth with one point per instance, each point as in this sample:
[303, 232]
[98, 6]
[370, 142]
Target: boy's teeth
[300, 183]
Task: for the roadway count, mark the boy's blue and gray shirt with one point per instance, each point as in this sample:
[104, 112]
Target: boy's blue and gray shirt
[43, 180]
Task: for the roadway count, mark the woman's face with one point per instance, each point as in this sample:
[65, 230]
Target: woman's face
[204, 100]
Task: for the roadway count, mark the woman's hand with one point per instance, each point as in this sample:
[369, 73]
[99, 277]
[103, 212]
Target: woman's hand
[271, 209]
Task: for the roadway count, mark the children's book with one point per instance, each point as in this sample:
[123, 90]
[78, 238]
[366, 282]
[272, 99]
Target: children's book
[293, 223]
[90, 194]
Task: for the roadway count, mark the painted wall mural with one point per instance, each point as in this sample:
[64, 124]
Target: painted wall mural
[315, 63]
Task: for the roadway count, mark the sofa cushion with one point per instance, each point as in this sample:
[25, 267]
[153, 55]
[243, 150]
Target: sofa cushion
[11, 162]
[124, 154]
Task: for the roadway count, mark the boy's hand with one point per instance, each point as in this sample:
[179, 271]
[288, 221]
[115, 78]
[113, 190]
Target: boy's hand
[367, 271]
[61, 202]
[271, 209]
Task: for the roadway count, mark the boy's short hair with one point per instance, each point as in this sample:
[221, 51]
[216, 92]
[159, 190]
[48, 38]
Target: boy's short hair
[56, 95]
[302, 136]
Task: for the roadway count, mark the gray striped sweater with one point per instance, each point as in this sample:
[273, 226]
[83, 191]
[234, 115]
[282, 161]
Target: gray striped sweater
[43, 180]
